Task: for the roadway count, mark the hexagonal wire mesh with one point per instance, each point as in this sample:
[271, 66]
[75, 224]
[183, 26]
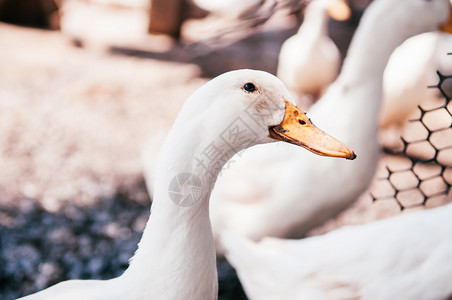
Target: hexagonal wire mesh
[424, 168]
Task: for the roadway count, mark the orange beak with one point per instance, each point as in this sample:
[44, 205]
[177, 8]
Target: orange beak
[339, 10]
[296, 128]
[447, 27]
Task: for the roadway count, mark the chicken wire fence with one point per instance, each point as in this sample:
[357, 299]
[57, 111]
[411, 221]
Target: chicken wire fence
[421, 172]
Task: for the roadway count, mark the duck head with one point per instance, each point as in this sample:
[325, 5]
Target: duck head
[256, 108]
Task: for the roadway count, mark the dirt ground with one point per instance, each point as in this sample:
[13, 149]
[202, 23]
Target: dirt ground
[77, 106]
[76, 110]
[74, 119]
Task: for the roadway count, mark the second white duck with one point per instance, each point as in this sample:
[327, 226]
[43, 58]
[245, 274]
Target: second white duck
[274, 190]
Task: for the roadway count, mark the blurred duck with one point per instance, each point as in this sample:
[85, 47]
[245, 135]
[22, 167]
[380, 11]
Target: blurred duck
[176, 255]
[276, 190]
[410, 70]
[228, 8]
[404, 257]
[309, 60]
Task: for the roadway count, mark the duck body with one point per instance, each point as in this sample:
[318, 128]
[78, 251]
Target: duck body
[410, 71]
[176, 254]
[402, 257]
[296, 192]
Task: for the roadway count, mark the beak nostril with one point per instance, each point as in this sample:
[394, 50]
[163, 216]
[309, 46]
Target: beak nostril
[302, 122]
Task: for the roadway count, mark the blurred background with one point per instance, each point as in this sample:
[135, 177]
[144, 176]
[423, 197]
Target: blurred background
[84, 85]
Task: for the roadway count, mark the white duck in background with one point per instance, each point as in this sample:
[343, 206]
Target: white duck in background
[309, 61]
[410, 70]
[274, 190]
[176, 255]
[228, 8]
[404, 257]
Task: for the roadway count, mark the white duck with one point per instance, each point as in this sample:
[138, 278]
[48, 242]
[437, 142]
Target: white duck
[176, 255]
[404, 257]
[309, 60]
[410, 70]
[249, 200]
[227, 8]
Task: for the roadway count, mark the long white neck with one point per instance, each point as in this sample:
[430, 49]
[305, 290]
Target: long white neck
[315, 22]
[176, 255]
[375, 40]
[177, 244]
[357, 92]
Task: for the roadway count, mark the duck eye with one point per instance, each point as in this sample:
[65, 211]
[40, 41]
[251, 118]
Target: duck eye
[249, 87]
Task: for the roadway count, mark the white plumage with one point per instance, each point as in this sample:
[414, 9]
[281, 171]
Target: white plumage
[404, 257]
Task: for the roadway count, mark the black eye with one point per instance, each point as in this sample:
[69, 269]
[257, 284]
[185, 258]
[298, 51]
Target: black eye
[249, 87]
